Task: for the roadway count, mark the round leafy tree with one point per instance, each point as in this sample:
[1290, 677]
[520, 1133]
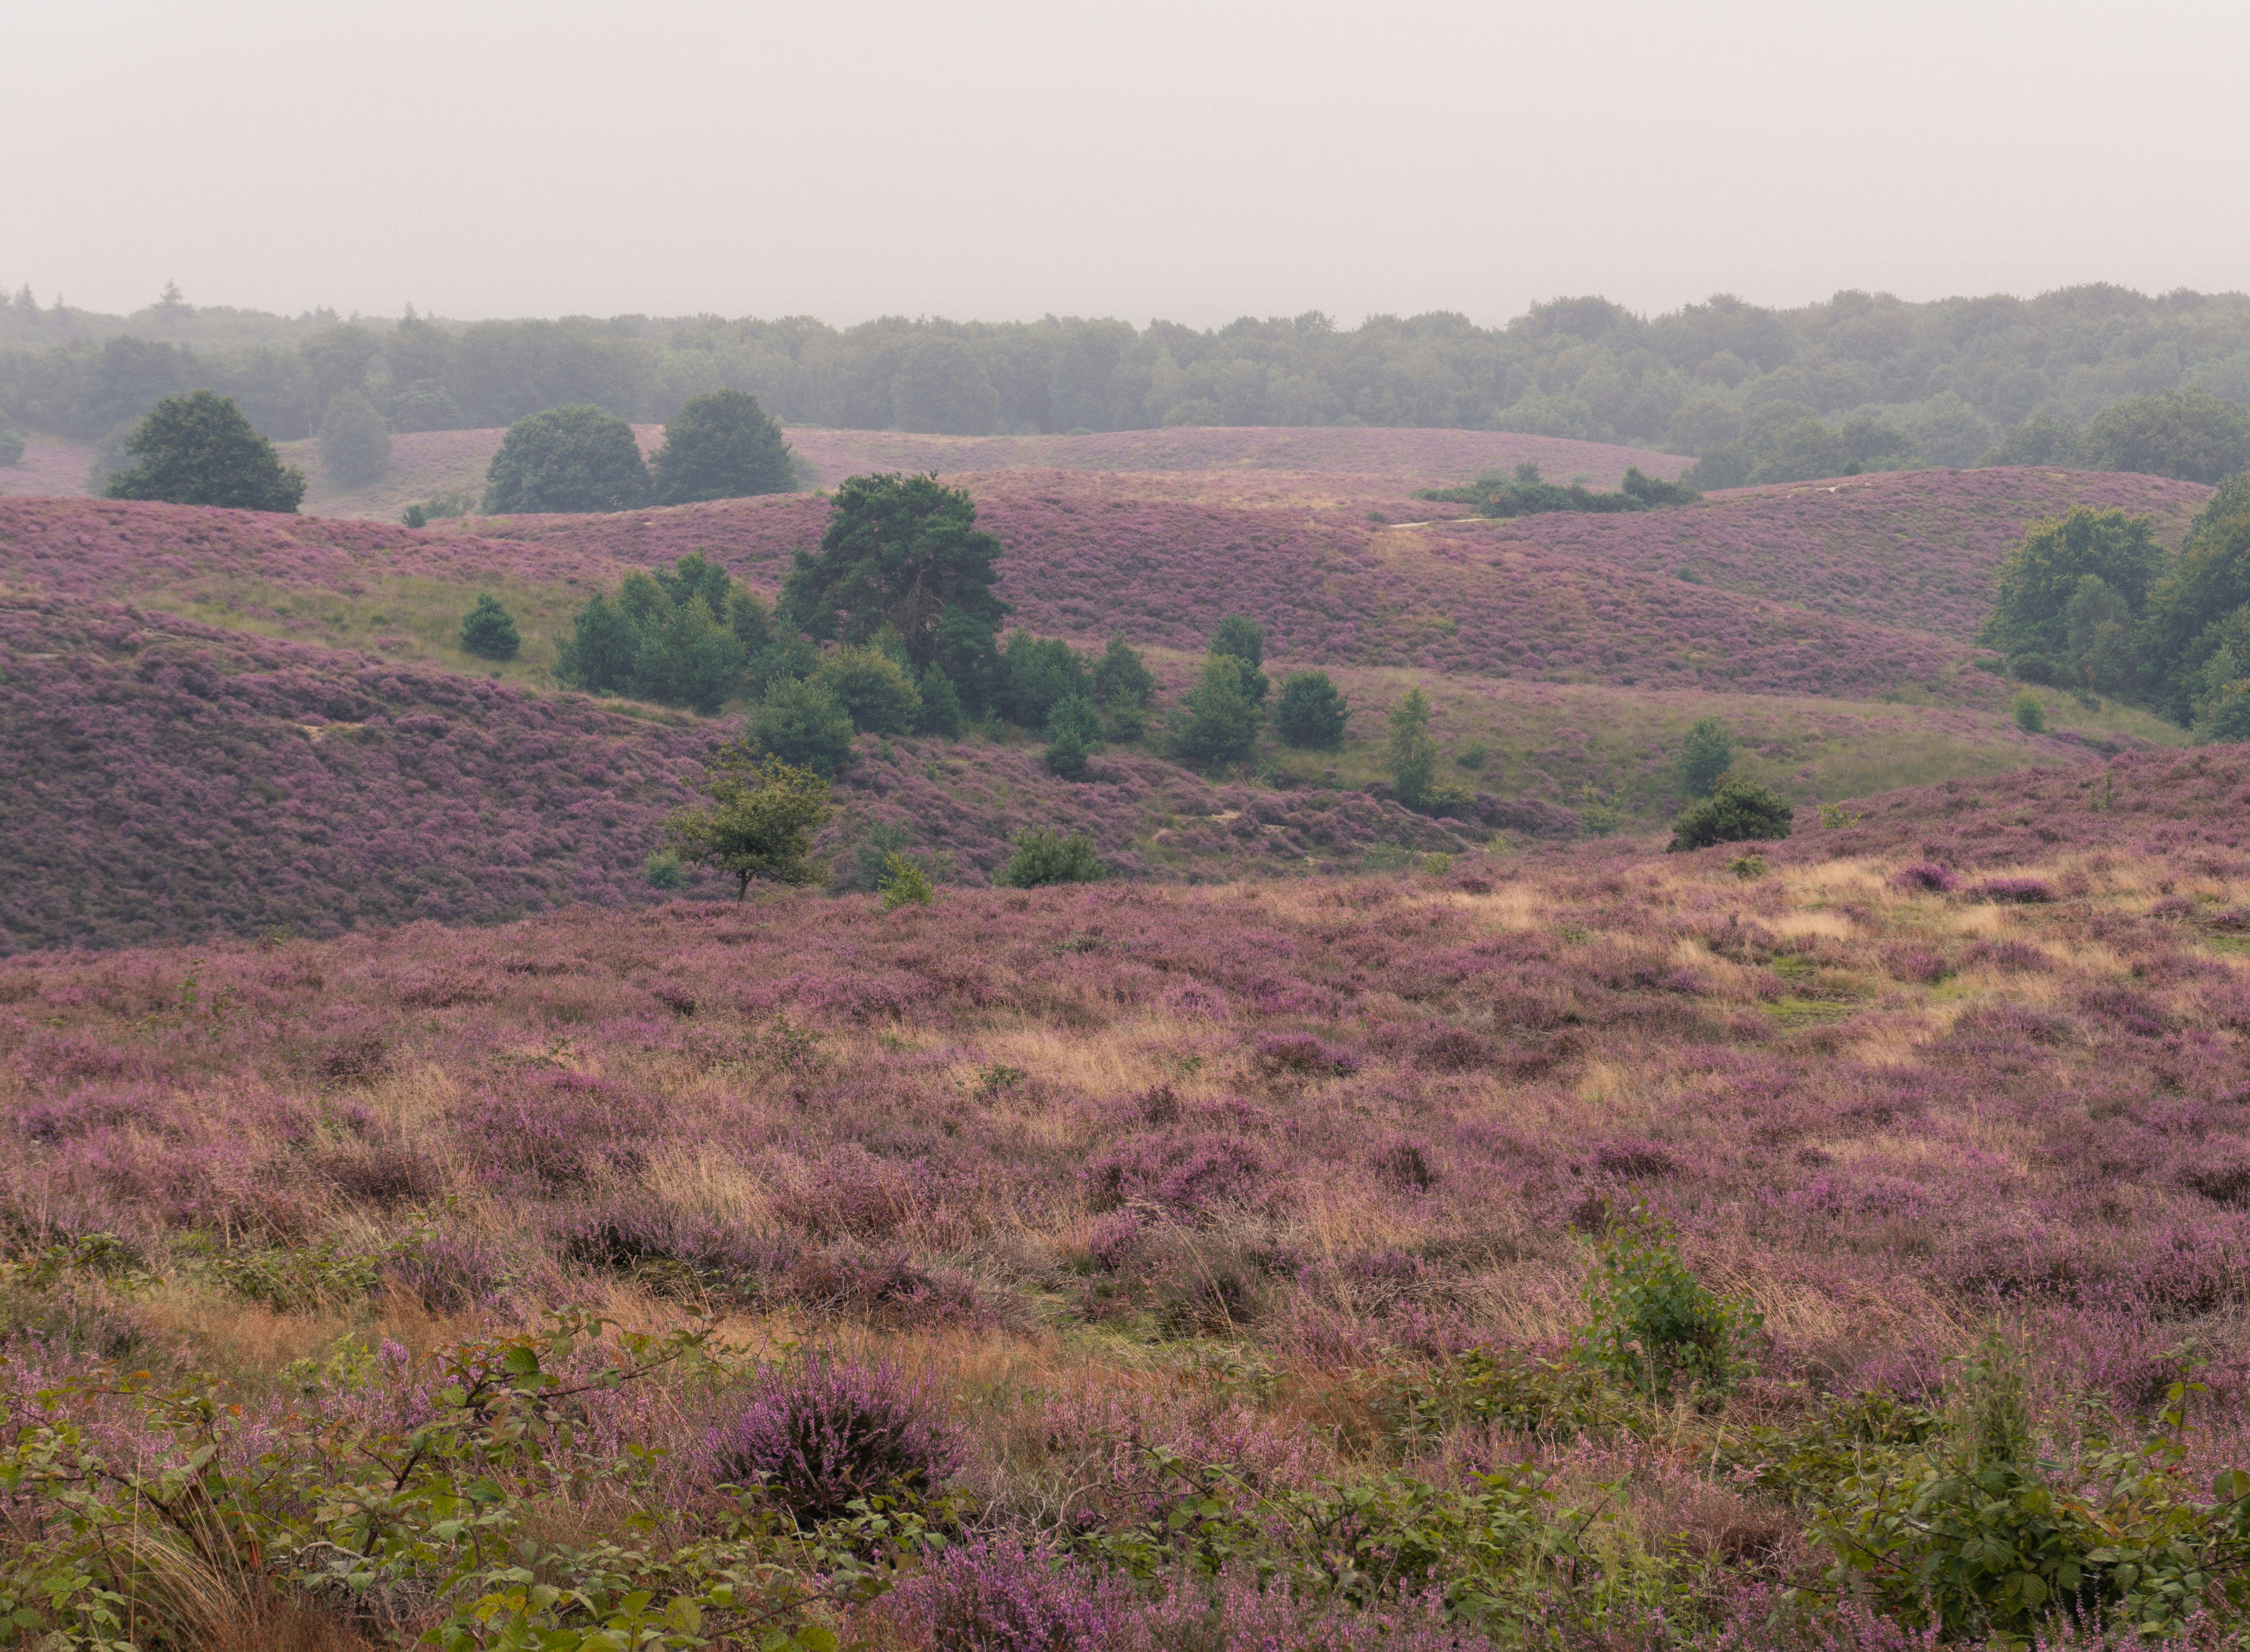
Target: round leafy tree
[355, 442]
[1310, 715]
[1739, 811]
[755, 823]
[567, 459]
[721, 445]
[199, 449]
[490, 631]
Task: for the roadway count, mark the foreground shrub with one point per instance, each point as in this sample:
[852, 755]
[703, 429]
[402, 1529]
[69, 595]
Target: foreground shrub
[822, 1434]
[1048, 857]
[1738, 810]
[1923, 877]
[1655, 1327]
[2014, 891]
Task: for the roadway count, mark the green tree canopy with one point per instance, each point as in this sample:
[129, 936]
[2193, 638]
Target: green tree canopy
[1411, 755]
[801, 721]
[1074, 728]
[2210, 581]
[1737, 811]
[355, 442]
[1044, 857]
[876, 693]
[1241, 636]
[1036, 673]
[757, 821]
[1705, 756]
[566, 459]
[682, 636]
[1311, 714]
[1218, 721]
[2040, 576]
[721, 445]
[2188, 433]
[490, 631]
[1124, 688]
[903, 552]
[11, 445]
[199, 449]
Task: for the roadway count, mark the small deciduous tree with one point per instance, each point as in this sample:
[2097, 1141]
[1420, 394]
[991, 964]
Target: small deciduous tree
[1739, 811]
[2029, 711]
[2038, 578]
[355, 442]
[1311, 714]
[1037, 674]
[1412, 754]
[941, 713]
[1044, 857]
[756, 822]
[571, 459]
[721, 445]
[490, 631]
[1705, 756]
[199, 449]
[1219, 718]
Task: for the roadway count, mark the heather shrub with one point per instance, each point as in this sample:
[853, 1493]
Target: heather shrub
[1924, 877]
[986, 1596]
[821, 1433]
[488, 630]
[2014, 891]
[1737, 811]
[1311, 714]
[574, 458]
[1044, 857]
[1653, 1326]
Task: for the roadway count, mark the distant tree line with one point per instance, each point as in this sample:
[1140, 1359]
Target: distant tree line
[1862, 380]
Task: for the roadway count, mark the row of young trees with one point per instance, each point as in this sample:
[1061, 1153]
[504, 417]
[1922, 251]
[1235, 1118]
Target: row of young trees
[579, 458]
[2090, 600]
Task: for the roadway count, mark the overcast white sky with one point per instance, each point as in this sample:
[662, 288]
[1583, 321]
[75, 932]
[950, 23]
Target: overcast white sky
[1197, 162]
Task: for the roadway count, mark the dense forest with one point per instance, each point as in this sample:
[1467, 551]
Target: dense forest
[1947, 380]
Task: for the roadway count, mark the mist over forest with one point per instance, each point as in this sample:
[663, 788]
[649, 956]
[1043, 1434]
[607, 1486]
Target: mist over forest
[1887, 383]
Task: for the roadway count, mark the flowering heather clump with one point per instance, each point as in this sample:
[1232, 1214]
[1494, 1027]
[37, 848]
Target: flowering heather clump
[2021, 891]
[1924, 875]
[821, 1433]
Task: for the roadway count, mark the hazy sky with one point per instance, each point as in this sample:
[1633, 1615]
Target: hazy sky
[1196, 161]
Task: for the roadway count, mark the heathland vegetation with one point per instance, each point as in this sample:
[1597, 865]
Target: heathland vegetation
[2094, 376]
[1292, 1040]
